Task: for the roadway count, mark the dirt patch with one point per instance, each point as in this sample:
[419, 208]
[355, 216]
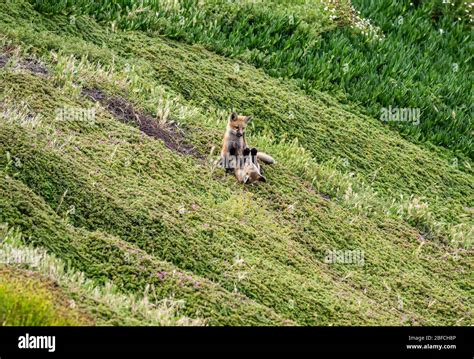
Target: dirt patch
[119, 107]
[30, 64]
[325, 196]
[34, 66]
[3, 60]
[125, 112]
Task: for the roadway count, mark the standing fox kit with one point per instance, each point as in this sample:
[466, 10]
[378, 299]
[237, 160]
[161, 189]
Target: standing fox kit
[237, 156]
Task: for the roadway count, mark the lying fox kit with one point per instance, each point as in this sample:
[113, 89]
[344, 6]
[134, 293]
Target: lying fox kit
[236, 156]
[249, 171]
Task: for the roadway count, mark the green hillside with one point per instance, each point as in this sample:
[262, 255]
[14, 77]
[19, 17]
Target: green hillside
[412, 55]
[129, 200]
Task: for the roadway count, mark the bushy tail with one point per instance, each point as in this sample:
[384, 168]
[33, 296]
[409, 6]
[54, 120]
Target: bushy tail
[265, 158]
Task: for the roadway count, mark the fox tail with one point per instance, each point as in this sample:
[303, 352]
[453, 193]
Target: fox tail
[265, 158]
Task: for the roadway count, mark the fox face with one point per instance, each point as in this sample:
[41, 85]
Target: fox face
[250, 173]
[237, 157]
[237, 123]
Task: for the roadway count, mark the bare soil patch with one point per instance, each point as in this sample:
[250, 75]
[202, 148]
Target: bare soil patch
[125, 112]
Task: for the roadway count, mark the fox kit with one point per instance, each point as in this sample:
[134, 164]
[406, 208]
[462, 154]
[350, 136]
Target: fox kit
[249, 171]
[235, 151]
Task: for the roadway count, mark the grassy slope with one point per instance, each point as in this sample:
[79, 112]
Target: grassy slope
[31, 300]
[268, 270]
[62, 286]
[422, 62]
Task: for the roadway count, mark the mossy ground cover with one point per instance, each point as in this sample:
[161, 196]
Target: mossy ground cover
[119, 205]
[30, 300]
[66, 296]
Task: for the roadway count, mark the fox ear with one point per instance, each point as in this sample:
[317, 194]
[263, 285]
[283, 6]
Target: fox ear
[248, 119]
[233, 116]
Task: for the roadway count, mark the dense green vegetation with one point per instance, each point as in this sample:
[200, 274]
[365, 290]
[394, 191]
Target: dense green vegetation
[32, 301]
[414, 55]
[122, 208]
[37, 288]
